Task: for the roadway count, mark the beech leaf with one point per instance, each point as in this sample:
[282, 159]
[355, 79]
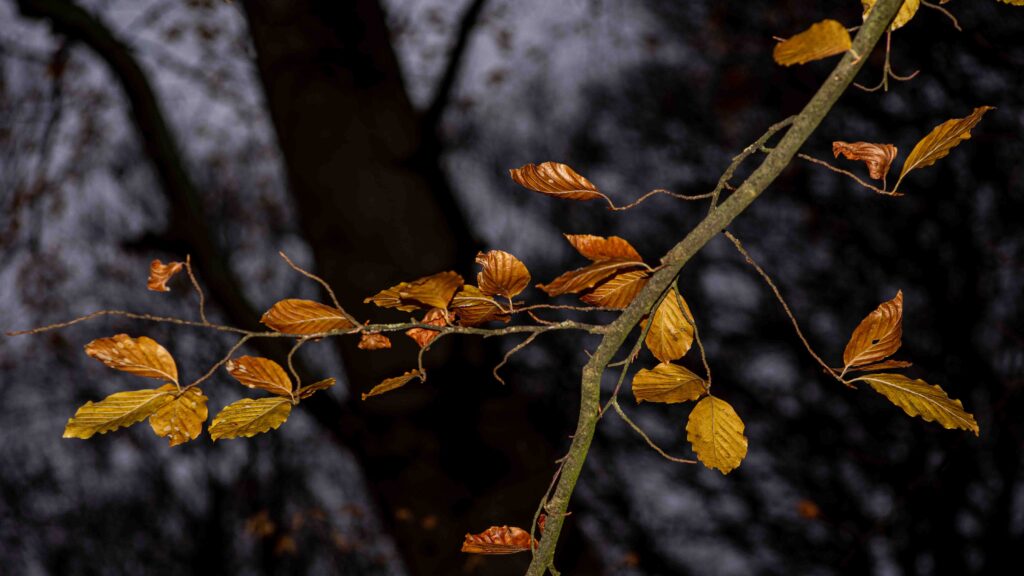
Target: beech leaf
[116, 411]
[716, 433]
[599, 249]
[555, 179]
[671, 335]
[667, 383]
[878, 335]
[472, 307]
[434, 291]
[503, 274]
[618, 291]
[261, 373]
[583, 278]
[160, 274]
[141, 356]
[918, 398]
[249, 417]
[307, 391]
[883, 365]
[878, 157]
[906, 13]
[821, 40]
[941, 140]
[373, 341]
[393, 383]
[424, 336]
[296, 316]
[498, 540]
[181, 419]
[1013, 2]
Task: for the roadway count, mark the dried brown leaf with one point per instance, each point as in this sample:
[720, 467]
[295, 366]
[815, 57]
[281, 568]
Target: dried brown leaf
[878, 335]
[667, 383]
[434, 291]
[555, 179]
[116, 411]
[307, 391]
[941, 140]
[821, 40]
[671, 335]
[503, 274]
[141, 356]
[918, 398]
[498, 540]
[878, 157]
[374, 341]
[716, 433]
[181, 419]
[472, 307]
[295, 316]
[883, 365]
[619, 291]
[160, 274]
[599, 249]
[393, 383]
[583, 278]
[261, 373]
[424, 336]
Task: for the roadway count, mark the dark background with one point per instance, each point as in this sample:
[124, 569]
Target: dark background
[371, 142]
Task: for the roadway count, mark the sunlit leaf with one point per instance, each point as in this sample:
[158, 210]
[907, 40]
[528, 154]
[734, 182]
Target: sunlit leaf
[583, 278]
[249, 417]
[877, 157]
[671, 335]
[918, 398]
[434, 291]
[497, 540]
[716, 433]
[141, 356]
[599, 249]
[373, 341]
[667, 383]
[181, 419]
[393, 383]
[116, 411]
[618, 291]
[503, 274]
[878, 335]
[821, 40]
[907, 11]
[424, 336]
[1013, 2]
[555, 179]
[261, 373]
[295, 316]
[883, 365]
[943, 138]
[160, 274]
[472, 307]
[307, 391]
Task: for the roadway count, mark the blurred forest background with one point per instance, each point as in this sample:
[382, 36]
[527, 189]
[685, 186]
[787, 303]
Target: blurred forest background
[370, 140]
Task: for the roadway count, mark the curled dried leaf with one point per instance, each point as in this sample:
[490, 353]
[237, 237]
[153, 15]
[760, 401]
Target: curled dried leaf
[296, 316]
[941, 140]
[821, 40]
[473, 308]
[261, 373]
[599, 249]
[434, 291]
[498, 540]
[555, 179]
[671, 334]
[307, 391]
[181, 419]
[117, 411]
[584, 278]
[141, 356]
[878, 157]
[503, 274]
[878, 336]
[906, 13]
[160, 274]
[374, 341]
[667, 383]
[619, 291]
[716, 433]
[249, 417]
[393, 383]
[424, 336]
[918, 398]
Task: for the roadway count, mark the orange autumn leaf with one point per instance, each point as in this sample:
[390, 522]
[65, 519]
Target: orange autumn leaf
[941, 140]
[671, 334]
[373, 341]
[182, 418]
[503, 274]
[434, 291]
[424, 336]
[261, 373]
[160, 274]
[555, 179]
[878, 157]
[583, 278]
[141, 356]
[878, 335]
[393, 383]
[821, 40]
[883, 365]
[598, 249]
[619, 291]
[307, 391]
[295, 316]
[473, 308]
[498, 540]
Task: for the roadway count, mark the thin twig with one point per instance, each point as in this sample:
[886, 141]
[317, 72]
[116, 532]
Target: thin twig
[618, 409]
[696, 336]
[512, 351]
[291, 363]
[135, 316]
[948, 14]
[838, 170]
[199, 291]
[638, 201]
[723, 181]
[224, 359]
[322, 282]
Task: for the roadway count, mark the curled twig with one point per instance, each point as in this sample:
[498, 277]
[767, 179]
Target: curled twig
[618, 409]
[199, 290]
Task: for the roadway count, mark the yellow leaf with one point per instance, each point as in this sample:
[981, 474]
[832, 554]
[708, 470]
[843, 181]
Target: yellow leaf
[472, 307]
[878, 335]
[671, 335]
[716, 433]
[141, 356]
[307, 391]
[116, 411]
[943, 138]
[393, 383]
[598, 249]
[503, 274]
[918, 398]
[424, 336]
[1013, 2]
[160, 274]
[878, 157]
[295, 316]
[667, 383]
[821, 40]
[498, 540]
[619, 291]
[261, 373]
[181, 419]
[249, 417]
[583, 278]
[373, 341]
[907, 11]
[433, 291]
[555, 179]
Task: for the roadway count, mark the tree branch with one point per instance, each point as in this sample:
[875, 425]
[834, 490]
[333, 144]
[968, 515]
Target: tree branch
[431, 116]
[716, 221]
